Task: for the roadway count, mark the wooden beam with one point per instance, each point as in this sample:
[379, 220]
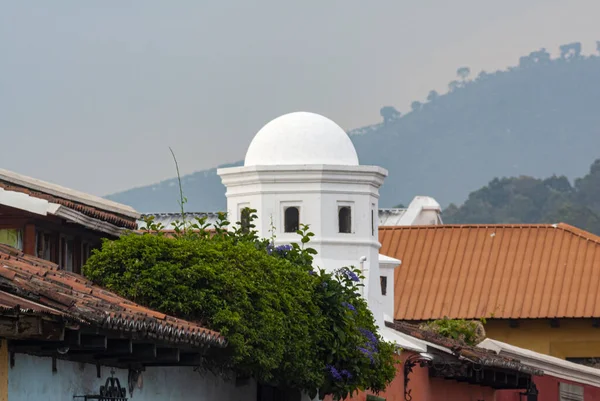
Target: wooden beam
[30, 327]
[144, 351]
[167, 355]
[185, 359]
[190, 359]
[119, 346]
[94, 341]
[29, 239]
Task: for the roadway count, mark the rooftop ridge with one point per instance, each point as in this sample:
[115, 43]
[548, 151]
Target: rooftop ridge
[560, 226]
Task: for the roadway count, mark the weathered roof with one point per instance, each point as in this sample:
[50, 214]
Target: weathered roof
[387, 217]
[35, 285]
[500, 271]
[391, 217]
[90, 205]
[550, 365]
[472, 354]
[168, 220]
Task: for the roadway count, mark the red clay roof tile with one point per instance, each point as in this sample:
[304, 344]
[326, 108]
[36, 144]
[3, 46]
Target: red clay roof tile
[39, 286]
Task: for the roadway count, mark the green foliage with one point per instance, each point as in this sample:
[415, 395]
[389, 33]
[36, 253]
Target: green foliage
[532, 200]
[286, 324]
[469, 332]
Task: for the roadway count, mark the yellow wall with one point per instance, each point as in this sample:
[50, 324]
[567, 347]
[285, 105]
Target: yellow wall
[574, 338]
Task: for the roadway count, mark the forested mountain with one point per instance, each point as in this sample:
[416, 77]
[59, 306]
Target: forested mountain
[531, 200]
[538, 118]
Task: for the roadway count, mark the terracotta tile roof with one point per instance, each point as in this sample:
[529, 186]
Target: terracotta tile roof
[118, 220]
[35, 285]
[500, 271]
[472, 354]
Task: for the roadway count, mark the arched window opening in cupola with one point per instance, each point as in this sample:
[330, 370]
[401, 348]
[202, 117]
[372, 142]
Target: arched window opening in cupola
[345, 219]
[291, 219]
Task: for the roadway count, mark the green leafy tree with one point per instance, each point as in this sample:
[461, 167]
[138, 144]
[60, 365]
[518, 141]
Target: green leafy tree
[531, 200]
[432, 96]
[389, 114]
[463, 73]
[287, 324]
[416, 105]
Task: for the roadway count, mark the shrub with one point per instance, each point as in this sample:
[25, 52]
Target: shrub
[469, 332]
[287, 324]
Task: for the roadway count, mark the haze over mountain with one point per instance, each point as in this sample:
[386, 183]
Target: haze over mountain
[538, 118]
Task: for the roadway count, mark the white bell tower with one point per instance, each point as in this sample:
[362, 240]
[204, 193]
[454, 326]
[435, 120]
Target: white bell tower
[302, 168]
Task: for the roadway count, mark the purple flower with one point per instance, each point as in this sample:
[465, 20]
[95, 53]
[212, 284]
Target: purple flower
[346, 373]
[372, 338]
[334, 373]
[368, 353]
[312, 273]
[350, 274]
[283, 248]
[349, 306]
[270, 248]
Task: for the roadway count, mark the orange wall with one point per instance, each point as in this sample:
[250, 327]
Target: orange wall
[425, 388]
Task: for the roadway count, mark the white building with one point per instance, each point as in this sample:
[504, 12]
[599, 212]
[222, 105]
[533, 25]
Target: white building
[302, 168]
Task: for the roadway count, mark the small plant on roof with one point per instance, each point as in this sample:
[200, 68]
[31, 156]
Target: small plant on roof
[468, 332]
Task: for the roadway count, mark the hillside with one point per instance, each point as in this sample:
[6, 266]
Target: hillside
[531, 200]
[537, 119]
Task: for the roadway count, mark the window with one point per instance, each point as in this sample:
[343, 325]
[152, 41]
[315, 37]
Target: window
[12, 237]
[291, 217]
[66, 254]
[86, 252]
[372, 222]
[345, 219]
[245, 220]
[43, 245]
[383, 282]
[570, 392]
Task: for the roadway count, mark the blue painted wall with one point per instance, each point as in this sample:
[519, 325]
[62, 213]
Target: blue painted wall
[31, 379]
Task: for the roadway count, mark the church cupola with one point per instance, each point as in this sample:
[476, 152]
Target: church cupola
[302, 168]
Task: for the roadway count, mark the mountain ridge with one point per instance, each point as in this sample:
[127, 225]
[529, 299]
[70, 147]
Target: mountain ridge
[537, 118]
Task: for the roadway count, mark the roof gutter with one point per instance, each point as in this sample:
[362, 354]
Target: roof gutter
[550, 369]
[76, 217]
[42, 207]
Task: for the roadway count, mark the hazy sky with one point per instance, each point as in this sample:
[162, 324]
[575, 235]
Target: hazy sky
[92, 93]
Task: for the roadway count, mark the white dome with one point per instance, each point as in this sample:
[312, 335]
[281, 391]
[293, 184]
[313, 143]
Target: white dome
[301, 138]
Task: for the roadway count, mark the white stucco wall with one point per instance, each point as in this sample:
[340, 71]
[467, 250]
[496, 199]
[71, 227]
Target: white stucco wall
[318, 191]
[31, 379]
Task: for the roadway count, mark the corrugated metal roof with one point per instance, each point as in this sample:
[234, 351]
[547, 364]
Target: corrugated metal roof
[33, 284]
[387, 217]
[168, 220]
[500, 271]
[390, 217]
